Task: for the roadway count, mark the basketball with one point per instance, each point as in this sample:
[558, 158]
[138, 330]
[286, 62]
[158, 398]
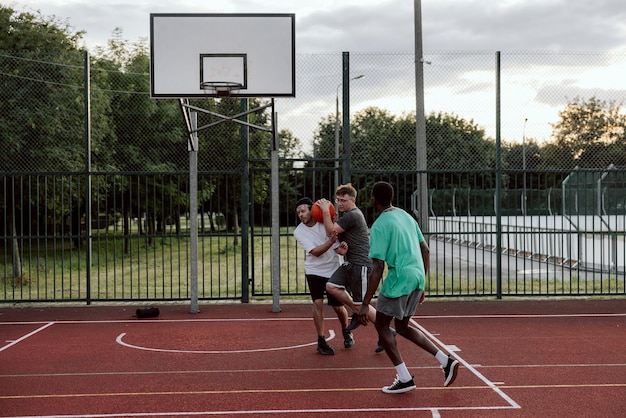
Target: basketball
[316, 212]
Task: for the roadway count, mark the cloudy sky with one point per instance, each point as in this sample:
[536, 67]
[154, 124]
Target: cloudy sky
[378, 25]
[332, 26]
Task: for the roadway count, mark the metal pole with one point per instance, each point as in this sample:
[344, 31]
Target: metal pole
[245, 203]
[193, 213]
[524, 166]
[275, 243]
[88, 254]
[498, 185]
[337, 138]
[420, 123]
[346, 122]
[345, 129]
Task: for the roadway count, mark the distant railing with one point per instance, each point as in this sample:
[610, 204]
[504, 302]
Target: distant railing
[587, 242]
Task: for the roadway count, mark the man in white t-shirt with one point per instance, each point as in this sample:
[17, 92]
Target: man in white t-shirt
[320, 263]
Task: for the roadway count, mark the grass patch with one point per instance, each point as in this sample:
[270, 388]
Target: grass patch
[129, 268]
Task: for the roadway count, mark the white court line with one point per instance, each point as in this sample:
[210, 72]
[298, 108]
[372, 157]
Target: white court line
[489, 383]
[158, 321]
[26, 336]
[433, 410]
[265, 412]
[258, 350]
[523, 316]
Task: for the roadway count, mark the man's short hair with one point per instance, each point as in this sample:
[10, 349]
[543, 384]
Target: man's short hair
[304, 201]
[383, 193]
[346, 189]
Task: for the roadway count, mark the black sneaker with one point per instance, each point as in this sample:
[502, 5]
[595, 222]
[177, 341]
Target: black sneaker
[449, 371]
[379, 347]
[354, 322]
[400, 387]
[323, 347]
[348, 339]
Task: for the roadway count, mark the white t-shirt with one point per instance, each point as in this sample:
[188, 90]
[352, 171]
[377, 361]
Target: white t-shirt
[310, 237]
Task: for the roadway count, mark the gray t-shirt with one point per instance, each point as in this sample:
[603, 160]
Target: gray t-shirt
[356, 234]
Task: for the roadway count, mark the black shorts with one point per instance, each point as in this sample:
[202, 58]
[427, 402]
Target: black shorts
[353, 278]
[317, 288]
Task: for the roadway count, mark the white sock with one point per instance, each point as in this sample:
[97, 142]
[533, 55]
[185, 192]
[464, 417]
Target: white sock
[442, 358]
[403, 373]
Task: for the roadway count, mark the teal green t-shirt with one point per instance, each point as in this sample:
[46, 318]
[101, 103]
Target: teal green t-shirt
[395, 238]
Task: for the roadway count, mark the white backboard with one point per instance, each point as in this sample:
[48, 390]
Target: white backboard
[255, 51]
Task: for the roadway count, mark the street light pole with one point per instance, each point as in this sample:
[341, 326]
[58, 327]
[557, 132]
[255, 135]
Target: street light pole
[524, 166]
[358, 77]
[337, 139]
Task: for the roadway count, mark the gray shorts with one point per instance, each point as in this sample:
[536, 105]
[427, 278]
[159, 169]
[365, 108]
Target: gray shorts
[399, 308]
[353, 278]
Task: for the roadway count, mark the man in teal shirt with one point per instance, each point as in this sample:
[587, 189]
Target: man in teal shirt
[396, 239]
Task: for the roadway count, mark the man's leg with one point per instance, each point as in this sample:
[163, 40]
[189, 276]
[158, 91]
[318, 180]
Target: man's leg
[358, 278]
[336, 290]
[448, 364]
[344, 297]
[340, 293]
[342, 315]
[318, 316]
[387, 338]
[415, 336]
[317, 286]
[341, 296]
[404, 381]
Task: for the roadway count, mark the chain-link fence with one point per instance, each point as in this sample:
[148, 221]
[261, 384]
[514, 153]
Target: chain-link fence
[67, 136]
[44, 123]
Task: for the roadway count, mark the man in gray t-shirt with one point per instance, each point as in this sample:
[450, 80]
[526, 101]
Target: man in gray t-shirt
[356, 235]
[352, 275]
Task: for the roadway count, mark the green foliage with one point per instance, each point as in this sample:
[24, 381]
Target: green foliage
[592, 130]
[42, 95]
[380, 141]
[290, 147]
[33, 32]
[455, 143]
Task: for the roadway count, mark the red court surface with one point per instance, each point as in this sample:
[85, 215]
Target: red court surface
[518, 359]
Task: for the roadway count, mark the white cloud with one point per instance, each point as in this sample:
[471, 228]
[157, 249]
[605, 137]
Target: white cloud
[533, 85]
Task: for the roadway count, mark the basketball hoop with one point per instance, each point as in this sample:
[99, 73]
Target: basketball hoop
[220, 88]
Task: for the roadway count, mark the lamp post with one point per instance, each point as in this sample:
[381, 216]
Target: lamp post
[358, 77]
[524, 167]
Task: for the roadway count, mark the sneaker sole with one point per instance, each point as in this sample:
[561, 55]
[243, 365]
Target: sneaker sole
[326, 353]
[454, 368]
[403, 390]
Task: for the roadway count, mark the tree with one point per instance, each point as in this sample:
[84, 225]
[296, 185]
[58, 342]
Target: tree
[592, 132]
[457, 144]
[42, 114]
[290, 147]
[518, 157]
[380, 140]
[42, 106]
